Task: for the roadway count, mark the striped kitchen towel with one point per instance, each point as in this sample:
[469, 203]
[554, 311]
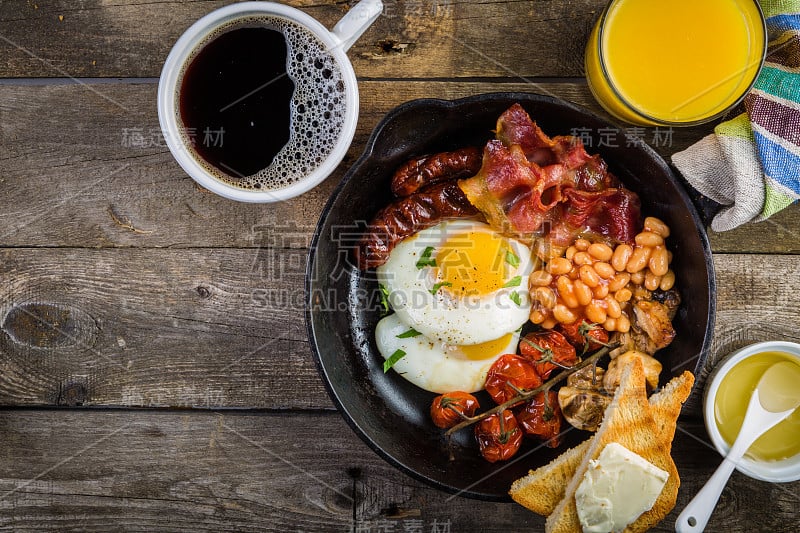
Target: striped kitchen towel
[751, 164]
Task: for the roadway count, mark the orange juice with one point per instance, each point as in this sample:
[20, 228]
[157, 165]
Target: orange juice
[674, 62]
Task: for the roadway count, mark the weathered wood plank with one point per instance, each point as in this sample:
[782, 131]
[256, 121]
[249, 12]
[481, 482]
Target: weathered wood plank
[225, 328]
[412, 39]
[170, 328]
[103, 176]
[143, 470]
[778, 234]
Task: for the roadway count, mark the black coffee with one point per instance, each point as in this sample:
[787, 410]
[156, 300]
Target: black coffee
[262, 102]
[235, 100]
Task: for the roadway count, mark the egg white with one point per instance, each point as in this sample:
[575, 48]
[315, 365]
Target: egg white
[442, 316]
[434, 365]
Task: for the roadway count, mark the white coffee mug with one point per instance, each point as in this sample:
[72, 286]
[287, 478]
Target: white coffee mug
[336, 43]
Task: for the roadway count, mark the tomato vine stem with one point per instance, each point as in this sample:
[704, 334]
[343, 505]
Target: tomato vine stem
[525, 395]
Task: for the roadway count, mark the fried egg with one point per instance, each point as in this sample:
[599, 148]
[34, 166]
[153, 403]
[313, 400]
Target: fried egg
[436, 366]
[459, 282]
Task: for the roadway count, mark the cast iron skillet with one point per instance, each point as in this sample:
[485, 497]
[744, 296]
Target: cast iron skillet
[343, 304]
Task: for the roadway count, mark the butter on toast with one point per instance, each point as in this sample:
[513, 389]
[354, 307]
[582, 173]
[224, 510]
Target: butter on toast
[629, 422]
[542, 489]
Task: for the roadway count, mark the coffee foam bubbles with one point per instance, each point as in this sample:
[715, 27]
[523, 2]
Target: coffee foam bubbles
[317, 109]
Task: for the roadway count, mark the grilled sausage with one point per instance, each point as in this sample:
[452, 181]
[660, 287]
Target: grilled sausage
[406, 216]
[431, 169]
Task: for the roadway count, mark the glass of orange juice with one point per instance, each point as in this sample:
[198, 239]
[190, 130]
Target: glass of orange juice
[674, 62]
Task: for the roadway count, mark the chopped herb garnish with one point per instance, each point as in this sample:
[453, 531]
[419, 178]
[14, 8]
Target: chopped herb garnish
[512, 259]
[384, 299]
[515, 297]
[426, 260]
[513, 282]
[408, 334]
[439, 285]
[393, 359]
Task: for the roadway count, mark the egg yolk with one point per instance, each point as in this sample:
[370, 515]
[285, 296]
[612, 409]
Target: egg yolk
[485, 350]
[472, 263]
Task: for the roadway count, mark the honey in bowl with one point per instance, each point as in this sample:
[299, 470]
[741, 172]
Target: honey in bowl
[676, 62]
[730, 405]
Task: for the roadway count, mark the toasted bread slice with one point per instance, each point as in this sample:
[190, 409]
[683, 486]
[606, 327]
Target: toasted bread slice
[629, 422]
[542, 489]
[666, 405]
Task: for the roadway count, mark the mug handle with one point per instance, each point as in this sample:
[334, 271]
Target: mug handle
[356, 22]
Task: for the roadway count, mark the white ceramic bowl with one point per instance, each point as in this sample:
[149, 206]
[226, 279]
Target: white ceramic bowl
[775, 471]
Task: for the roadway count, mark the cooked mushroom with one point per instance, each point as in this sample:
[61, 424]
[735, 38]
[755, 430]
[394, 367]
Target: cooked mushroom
[651, 329]
[671, 299]
[583, 408]
[652, 368]
[589, 378]
[635, 339]
[653, 318]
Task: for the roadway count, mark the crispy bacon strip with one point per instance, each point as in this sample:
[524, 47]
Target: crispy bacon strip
[431, 169]
[513, 194]
[516, 127]
[590, 172]
[532, 186]
[406, 216]
[612, 215]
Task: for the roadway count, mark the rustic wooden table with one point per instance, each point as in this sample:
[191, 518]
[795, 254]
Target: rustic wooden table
[154, 367]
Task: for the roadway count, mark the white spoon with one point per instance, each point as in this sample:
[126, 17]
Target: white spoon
[776, 397]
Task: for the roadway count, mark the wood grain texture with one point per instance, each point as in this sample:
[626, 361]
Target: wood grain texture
[123, 284]
[144, 470]
[412, 38]
[103, 176]
[171, 328]
[225, 328]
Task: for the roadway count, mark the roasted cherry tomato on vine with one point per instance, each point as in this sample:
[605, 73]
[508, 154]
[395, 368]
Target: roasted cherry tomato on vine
[508, 375]
[548, 351]
[499, 436]
[585, 337]
[541, 418]
[446, 410]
